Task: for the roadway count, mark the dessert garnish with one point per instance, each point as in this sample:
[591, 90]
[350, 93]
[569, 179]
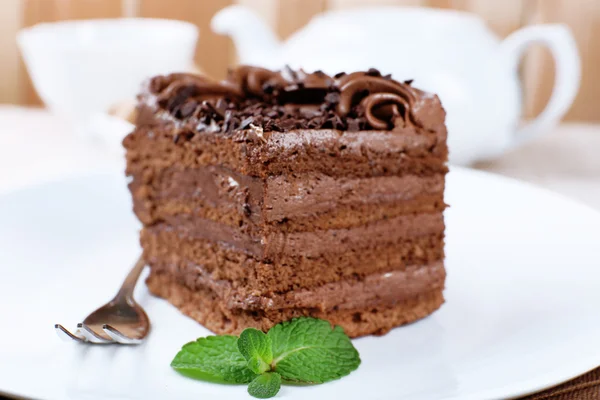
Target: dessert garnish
[302, 350]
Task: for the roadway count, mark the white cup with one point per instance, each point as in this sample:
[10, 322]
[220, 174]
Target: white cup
[81, 68]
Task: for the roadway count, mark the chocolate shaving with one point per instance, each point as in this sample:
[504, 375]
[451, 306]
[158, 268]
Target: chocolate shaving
[187, 109]
[268, 88]
[332, 98]
[220, 107]
[353, 125]
[246, 122]
[227, 121]
[261, 100]
[373, 72]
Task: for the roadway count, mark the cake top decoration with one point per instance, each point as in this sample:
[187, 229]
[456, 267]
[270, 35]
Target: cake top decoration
[286, 100]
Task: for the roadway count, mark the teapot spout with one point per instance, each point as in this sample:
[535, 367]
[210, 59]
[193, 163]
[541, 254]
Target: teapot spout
[254, 40]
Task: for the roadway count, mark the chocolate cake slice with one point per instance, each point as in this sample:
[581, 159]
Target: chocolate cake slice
[272, 195]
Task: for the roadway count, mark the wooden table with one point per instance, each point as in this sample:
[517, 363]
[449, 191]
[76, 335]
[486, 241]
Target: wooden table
[36, 147]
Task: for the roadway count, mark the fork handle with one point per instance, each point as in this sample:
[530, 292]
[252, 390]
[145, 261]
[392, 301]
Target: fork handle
[126, 290]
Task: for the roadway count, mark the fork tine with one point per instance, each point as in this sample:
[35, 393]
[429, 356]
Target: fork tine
[65, 335]
[90, 335]
[118, 336]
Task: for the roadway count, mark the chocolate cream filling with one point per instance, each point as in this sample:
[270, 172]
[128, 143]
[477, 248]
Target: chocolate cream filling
[288, 196]
[303, 196]
[272, 245]
[379, 289]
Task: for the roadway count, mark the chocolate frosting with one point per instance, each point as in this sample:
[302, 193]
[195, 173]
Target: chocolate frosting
[257, 98]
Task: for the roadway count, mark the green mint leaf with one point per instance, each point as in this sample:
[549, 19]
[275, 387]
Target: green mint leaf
[214, 359]
[255, 346]
[265, 386]
[308, 350]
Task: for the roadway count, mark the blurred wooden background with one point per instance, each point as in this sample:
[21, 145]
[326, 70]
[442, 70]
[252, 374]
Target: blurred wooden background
[216, 53]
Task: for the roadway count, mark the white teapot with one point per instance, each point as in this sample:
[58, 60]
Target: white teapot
[446, 52]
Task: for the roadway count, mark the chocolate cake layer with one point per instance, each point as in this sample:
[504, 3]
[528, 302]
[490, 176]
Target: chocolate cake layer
[331, 152]
[243, 270]
[208, 309]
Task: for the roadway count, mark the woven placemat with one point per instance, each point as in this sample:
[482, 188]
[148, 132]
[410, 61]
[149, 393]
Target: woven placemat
[585, 387]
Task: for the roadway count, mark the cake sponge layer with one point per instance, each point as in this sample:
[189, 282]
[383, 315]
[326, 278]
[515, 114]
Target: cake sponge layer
[376, 289]
[208, 309]
[227, 264]
[331, 152]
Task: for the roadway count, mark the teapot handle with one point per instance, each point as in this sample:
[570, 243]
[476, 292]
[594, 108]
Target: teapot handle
[561, 43]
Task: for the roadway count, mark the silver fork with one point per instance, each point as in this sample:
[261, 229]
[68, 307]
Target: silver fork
[121, 320]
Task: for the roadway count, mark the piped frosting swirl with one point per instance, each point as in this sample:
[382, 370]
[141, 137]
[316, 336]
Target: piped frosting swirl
[286, 99]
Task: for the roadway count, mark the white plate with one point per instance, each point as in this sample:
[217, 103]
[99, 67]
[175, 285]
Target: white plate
[521, 311]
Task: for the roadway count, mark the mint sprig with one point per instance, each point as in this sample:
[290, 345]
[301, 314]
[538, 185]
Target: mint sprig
[303, 350]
